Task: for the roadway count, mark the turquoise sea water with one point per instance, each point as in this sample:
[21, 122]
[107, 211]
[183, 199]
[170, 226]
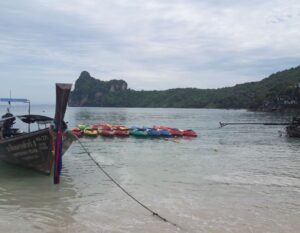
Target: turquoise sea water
[234, 179]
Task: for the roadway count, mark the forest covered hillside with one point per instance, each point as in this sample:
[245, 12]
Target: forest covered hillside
[279, 91]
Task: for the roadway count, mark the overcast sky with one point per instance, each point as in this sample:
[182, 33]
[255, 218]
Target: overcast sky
[153, 44]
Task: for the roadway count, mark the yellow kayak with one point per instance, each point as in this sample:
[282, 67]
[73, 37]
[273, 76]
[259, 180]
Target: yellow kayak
[90, 132]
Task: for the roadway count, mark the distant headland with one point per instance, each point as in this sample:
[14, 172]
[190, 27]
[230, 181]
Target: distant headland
[278, 92]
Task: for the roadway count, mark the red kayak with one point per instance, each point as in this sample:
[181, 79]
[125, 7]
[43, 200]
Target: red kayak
[121, 133]
[178, 132]
[101, 126]
[77, 132]
[175, 132]
[106, 133]
[189, 133]
[94, 127]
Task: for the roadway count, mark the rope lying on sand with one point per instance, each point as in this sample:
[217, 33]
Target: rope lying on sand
[126, 192]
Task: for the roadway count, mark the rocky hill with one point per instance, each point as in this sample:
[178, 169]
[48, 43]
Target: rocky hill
[91, 92]
[280, 91]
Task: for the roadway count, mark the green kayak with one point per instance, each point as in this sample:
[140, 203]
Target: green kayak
[82, 127]
[138, 133]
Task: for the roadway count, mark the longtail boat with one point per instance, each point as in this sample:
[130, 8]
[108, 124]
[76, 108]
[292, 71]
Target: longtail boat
[292, 128]
[37, 149]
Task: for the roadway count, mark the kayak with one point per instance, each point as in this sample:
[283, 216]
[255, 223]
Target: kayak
[121, 133]
[82, 126]
[153, 132]
[119, 127]
[106, 132]
[90, 132]
[105, 127]
[77, 132]
[138, 133]
[164, 133]
[95, 127]
[175, 132]
[121, 130]
[189, 133]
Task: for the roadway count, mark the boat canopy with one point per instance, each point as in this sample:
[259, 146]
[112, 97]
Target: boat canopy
[39, 119]
[14, 100]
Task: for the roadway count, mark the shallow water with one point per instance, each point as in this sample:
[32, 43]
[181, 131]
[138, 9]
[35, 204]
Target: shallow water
[234, 179]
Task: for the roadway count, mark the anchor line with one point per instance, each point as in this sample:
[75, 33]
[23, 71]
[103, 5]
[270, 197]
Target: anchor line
[127, 193]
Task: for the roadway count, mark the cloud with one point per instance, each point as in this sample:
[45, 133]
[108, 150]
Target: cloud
[151, 44]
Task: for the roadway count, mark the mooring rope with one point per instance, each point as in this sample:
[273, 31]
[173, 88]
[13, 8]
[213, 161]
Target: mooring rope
[126, 192]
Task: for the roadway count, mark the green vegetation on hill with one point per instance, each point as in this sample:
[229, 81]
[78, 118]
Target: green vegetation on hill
[278, 91]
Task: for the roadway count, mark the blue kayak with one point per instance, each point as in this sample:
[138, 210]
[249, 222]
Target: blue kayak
[164, 133]
[153, 133]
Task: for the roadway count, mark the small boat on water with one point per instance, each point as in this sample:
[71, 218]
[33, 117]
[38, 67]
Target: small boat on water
[82, 126]
[37, 149]
[292, 128]
[109, 130]
[106, 126]
[77, 132]
[90, 132]
[164, 133]
[150, 132]
[153, 132]
[119, 127]
[138, 132]
[189, 133]
[174, 132]
[293, 131]
[106, 132]
[121, 133]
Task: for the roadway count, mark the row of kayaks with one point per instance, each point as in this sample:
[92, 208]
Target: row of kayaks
[108, 130]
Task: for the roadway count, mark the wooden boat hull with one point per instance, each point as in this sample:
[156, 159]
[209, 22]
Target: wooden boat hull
[32, 150]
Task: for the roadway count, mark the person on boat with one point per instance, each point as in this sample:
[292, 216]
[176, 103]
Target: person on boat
[8, 122]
